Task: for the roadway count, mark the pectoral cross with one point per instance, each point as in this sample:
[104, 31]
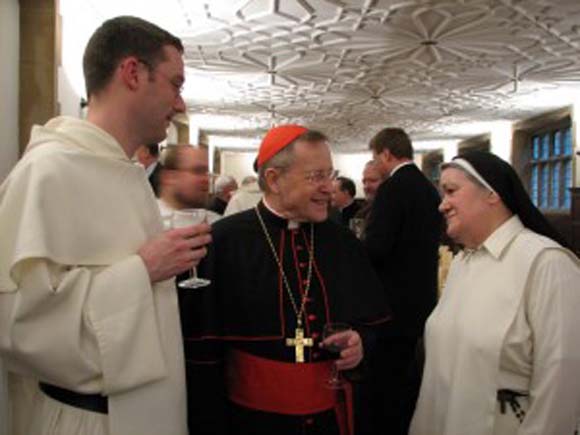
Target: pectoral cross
[299, 342]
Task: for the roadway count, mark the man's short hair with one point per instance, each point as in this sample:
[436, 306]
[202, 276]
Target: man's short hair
[345, 184]
[285, 157]
[119, 38]
[172, 156]
[395, 140]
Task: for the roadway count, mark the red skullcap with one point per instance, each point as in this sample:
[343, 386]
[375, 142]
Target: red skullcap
[277, 139]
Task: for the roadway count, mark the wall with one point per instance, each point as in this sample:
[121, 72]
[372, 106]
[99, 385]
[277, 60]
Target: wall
[77, 23]
[576, 135]
[39, 57]
[9, 49]
[238, 164]
[9, 46]
[351, 166]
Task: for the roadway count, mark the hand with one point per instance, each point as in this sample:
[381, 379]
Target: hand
[352, 349]
[175, 251]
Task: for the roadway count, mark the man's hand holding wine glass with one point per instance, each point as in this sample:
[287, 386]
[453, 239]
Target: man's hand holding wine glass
[175, 251]
[350, 345]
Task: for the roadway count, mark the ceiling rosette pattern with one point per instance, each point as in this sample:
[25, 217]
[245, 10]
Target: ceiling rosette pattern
[351, 67]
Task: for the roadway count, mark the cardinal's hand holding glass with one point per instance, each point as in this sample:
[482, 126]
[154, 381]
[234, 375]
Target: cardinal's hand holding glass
[341, 339]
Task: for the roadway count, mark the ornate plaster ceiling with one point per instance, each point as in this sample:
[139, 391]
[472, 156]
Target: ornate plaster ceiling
[352, 67]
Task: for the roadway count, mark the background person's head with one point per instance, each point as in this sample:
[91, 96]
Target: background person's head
[391, 147]
[343, 192]
[225, 186]
[133, 74]
[248, 180]
[480, 193]
[185, 178]
[472, 211]
[371, 179]
[295, 172]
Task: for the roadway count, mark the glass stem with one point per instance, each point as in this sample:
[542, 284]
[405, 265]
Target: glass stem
[193, 272]
[335, 373]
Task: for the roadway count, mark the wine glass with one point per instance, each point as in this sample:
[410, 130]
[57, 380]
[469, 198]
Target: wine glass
[357, 225]
[335, 381]
[187, 218]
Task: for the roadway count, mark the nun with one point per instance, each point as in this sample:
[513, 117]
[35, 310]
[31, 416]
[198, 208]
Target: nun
[502, 345]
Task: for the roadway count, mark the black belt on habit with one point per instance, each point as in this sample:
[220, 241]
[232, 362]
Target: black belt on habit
[89, 402]
[510, 397]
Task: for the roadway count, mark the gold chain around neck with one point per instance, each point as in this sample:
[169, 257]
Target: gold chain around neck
[299, 313]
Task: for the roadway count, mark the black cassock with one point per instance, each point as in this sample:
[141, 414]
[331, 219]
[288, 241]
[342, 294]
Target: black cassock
[247, 309]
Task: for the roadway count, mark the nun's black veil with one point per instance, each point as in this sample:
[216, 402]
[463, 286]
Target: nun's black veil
[505, 181]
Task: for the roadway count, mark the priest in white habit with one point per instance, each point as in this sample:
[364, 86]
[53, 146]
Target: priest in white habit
[89, 325]
[502, 353]
[280, 273]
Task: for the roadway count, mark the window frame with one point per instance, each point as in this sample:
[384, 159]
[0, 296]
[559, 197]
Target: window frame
[548, 164]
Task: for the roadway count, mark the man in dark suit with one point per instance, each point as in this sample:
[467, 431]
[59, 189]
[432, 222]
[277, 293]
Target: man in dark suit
[148, 156]
[402, 239]
[343, 193]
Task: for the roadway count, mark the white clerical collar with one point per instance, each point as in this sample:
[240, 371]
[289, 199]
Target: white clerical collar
[292, 225]
[399, 166]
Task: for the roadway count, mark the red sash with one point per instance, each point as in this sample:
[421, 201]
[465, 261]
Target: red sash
[286, 388]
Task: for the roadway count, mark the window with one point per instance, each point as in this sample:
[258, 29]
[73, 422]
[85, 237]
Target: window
[551, 169]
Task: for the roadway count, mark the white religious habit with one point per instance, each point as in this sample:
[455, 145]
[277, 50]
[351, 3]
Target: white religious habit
[245, 198]
[508, 319]
[77, 309]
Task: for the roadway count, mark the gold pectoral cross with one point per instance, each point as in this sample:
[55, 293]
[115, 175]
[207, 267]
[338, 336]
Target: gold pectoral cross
[299, 342]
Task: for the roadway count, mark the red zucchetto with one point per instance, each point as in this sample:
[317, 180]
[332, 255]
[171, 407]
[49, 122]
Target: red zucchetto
[277, 139]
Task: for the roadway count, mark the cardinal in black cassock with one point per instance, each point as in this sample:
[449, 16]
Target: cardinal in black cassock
[256, 356]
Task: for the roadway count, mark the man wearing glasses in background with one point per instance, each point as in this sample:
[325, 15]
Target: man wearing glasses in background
[280, 272]
[184, 181]
[89, 325]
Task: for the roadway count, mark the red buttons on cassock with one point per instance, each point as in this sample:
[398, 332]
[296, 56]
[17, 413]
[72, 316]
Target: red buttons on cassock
[311, 317]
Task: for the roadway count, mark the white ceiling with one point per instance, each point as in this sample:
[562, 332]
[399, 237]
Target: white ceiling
[352, 67]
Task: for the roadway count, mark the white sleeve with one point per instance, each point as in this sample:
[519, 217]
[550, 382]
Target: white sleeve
[554, 316]
[86, 329]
